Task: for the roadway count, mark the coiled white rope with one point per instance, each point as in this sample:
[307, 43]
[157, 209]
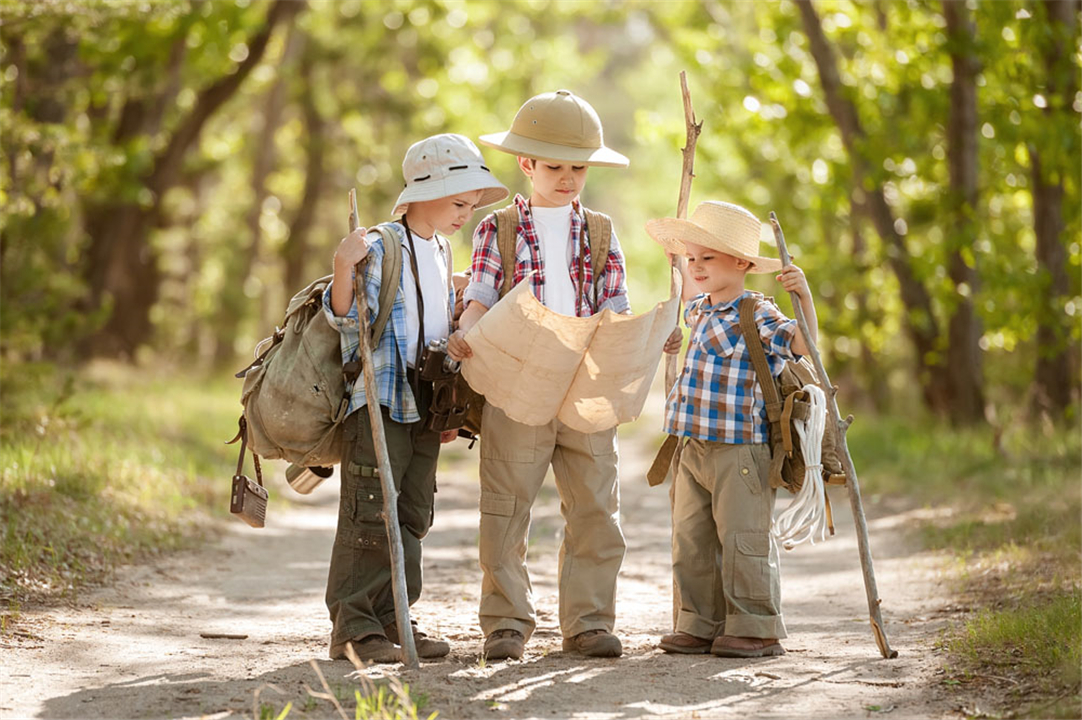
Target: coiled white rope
[806, 519]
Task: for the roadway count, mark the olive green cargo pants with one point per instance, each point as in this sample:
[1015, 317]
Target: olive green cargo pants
[359, 594]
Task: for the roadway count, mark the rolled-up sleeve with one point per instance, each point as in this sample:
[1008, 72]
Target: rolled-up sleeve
[486, 268]
[373, 275]
[776, 331]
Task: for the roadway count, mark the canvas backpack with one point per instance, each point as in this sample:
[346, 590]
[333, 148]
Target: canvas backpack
[598, 234]
[786, 402]
[297, 391]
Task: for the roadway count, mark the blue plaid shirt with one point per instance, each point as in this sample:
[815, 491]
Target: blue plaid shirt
[718, 397]
[389, 355]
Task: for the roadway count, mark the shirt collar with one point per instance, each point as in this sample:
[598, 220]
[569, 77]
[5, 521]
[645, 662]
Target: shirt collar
[525, 212]
[724, 306]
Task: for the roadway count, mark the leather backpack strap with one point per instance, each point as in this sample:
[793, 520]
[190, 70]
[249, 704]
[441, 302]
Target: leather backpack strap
[507, 223]
[391, 268]
[599, 231]
[758, 359]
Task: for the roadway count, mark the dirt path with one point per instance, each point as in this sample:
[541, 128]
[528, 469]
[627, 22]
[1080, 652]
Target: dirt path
[134, 649]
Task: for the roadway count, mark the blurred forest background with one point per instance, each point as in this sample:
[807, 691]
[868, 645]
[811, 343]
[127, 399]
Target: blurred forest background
[172, 172]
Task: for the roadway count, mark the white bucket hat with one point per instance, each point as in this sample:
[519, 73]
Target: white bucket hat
[718, 225]
[557, 126]
[445, 165]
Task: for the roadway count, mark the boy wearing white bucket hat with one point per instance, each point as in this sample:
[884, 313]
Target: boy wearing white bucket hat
[722, 499]
[446, 180]
[578, 270]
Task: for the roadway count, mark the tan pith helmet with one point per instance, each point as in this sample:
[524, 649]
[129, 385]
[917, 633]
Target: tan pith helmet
[721, 226]
[557, 126]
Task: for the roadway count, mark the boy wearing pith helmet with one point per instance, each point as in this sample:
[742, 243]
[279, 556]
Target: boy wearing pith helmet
[578, 270]
[446, 180]
[722, 499]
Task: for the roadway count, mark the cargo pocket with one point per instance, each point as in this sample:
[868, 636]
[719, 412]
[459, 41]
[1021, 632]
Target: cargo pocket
[497, 510]
[367, 496]
[751, 565]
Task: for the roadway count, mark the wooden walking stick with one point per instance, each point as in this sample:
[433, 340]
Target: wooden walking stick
[386, 478]
[660, 468]
[687, 173]
[851, 481]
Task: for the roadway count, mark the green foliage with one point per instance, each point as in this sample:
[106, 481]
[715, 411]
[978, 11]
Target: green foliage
[102, 467]
[1038, 640]
[81, 75]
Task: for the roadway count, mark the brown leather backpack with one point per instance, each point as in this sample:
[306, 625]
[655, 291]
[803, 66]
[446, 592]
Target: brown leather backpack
[787, 402]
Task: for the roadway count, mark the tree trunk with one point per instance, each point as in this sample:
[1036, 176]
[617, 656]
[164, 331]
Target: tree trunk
[920, 321]
[244, 262]
[123, 270]
[1053, 382]
[295, 250]
[964, 359]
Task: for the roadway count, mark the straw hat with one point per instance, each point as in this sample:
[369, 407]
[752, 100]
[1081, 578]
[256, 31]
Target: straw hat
[557, 126]
[445, 165]
[722, 226]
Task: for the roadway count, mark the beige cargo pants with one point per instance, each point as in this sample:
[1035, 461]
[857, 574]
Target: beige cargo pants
[514, 461]
[722, 509]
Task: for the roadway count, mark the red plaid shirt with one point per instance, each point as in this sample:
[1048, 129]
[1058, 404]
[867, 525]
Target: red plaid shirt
[486, 269]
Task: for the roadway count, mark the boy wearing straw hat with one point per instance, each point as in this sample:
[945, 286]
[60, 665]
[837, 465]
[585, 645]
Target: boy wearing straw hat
[722, 499]
[446, 180]
[557, 137]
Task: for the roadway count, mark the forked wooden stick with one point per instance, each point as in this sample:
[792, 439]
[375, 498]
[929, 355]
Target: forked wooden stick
[687, 174]
[851, 481]
[386, 478]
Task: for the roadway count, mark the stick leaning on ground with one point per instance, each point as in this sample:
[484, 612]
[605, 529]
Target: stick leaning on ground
[386, 478]
[851, 482]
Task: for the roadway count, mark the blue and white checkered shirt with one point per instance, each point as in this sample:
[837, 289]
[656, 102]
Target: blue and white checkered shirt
[389, 355]
[718, 397]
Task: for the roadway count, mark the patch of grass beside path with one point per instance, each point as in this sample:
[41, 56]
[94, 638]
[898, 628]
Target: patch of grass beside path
[103, 465]
[1011, 515]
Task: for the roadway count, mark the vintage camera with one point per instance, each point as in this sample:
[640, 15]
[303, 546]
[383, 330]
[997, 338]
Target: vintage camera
[436, 363]
[449, 406]
[249, 501]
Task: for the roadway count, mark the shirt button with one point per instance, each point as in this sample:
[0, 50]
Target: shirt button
[743, 471]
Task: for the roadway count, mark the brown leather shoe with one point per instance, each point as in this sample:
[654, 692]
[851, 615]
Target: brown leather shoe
[745, 647]
[427, 647]
[503, 644]
[595, 643]
[685, 644]
[372, 647]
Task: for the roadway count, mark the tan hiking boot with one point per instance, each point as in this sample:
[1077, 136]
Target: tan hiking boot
[372, 648]
[503, 644]
[685, 644]
[595, 643]
[427, 647]
[745, 647]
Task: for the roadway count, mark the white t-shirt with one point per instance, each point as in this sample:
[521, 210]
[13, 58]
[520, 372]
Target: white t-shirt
[432, 270]
[554, 234]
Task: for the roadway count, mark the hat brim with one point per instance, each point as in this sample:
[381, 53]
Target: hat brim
[672, 232]
[510, 142]
[460, 182]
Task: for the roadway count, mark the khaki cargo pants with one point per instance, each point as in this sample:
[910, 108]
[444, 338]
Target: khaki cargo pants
[359, 594]
[514, 461]
[725, 561]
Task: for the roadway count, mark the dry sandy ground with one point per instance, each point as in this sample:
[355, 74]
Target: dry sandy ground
[133, 649]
